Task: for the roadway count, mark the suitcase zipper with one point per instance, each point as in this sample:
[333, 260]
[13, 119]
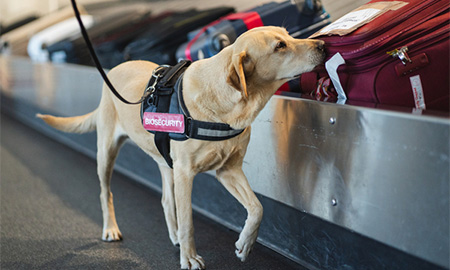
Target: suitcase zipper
[401, 54]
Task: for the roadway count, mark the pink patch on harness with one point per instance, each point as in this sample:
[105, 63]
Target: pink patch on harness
[165, 122]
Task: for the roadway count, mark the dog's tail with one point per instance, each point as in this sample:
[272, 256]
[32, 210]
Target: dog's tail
[77, 124]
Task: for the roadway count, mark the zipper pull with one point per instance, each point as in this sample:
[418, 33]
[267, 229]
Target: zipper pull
[401, 54]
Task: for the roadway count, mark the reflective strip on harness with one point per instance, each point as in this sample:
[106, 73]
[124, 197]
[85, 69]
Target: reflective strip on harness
[217, 133]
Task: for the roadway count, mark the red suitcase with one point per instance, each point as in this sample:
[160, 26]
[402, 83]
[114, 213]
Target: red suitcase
[400, 57]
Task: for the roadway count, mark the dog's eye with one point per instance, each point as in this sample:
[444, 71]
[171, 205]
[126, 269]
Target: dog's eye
[280, 45]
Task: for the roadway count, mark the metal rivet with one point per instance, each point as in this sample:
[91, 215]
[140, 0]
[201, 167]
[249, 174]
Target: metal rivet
[334, 202]
[332, 120]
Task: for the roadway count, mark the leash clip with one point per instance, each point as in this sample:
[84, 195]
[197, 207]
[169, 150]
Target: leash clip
[156, 74]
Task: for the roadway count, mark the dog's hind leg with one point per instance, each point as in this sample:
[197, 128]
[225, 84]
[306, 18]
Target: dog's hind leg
[236, 183]
[168, 202]
[109, 141]
[183, 180]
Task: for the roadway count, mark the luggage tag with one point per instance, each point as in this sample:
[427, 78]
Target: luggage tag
[359, 17]
[417, 89]
[331, 66]
[163, 122]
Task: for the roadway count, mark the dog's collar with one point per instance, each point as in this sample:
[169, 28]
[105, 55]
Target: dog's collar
[165, 96]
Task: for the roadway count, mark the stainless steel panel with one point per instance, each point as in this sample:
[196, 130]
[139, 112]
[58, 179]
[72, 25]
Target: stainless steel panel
[380, 173]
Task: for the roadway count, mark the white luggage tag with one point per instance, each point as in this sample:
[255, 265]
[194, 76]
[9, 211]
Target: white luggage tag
[331, 66]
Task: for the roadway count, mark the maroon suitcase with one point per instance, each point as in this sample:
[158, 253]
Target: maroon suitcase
[401, 57]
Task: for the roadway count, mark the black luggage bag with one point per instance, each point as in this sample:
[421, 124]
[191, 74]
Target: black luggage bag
[160, 42]
[74, 50]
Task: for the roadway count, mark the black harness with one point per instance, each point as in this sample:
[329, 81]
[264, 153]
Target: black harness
[165, 96]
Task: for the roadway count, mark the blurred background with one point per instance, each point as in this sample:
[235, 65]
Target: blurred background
[11, 11]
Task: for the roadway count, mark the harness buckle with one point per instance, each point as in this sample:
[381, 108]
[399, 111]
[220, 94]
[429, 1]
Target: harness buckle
[188, 126]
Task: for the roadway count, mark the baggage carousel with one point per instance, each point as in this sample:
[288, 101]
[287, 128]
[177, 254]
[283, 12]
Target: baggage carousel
[344, 186]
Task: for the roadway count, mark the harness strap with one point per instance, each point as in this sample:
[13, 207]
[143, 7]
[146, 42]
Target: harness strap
[212, 131]
[164, 91]
[201, 130]
[162, 139]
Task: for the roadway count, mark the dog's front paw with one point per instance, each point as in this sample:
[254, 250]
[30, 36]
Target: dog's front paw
[192, 262]
[244, 246]
[111, 235]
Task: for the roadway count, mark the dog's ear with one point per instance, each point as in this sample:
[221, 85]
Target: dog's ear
[240, 69]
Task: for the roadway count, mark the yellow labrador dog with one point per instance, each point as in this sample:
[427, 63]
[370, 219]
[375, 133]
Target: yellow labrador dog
[231, 87]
